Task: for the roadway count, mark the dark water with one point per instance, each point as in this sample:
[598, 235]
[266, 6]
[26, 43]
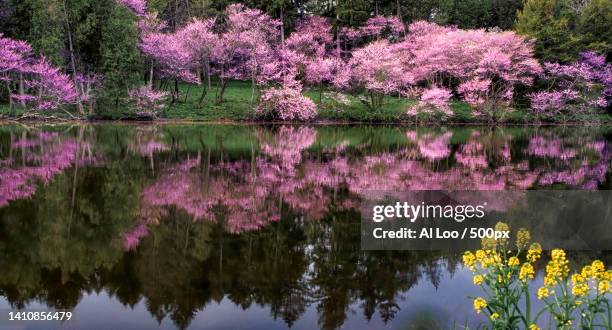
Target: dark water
[251, 227]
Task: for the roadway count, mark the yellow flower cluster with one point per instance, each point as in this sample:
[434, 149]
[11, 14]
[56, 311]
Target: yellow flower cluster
[534, 253]
[543, 292]
[513, 261]
[479, 304]
[534, 327]
[580, 286]
[527, 272]
[557, 268]
[595, 271]
[478, 279]
[483, 258]
[469, 260]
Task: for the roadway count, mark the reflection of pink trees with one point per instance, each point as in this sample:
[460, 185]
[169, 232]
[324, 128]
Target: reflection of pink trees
[550, 148]
[432, 147]
[42, 156]
[148, 142]
[286, 176]
[472, 154]
[587, 174]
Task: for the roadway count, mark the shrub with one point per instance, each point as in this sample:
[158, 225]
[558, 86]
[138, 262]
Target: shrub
[285, 104]
[574, 89]
[433, 100]
[148, 102]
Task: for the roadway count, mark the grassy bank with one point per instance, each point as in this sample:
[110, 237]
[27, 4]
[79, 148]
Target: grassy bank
[240, 101]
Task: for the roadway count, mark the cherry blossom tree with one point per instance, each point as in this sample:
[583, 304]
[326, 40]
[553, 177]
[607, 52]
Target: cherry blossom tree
[285, 104]
[245, 46]
[199, 40]
[147, 102]
[377, 69]
[487, 64]
[39, 85]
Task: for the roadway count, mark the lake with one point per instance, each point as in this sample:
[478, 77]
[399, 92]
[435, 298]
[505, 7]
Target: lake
[253, 227]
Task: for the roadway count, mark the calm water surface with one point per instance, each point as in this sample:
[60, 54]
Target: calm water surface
[252, 227]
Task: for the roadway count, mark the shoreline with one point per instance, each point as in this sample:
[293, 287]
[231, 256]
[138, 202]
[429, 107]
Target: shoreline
[173, 121]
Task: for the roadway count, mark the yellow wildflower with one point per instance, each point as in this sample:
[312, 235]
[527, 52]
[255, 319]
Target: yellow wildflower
[527, 272]
[599, 269]
[586, 271]
[494, 316]
[534, 252]
[469, 260]
[479, 304]
[534, 327]
[522, 238]
[580, 289]
[513, 261]
[543, 292]
[478, 279]
[488, 243]
[481, 255]
[604, 287]
[556, 269]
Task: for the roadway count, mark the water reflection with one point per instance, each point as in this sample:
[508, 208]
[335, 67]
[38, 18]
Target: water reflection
[185, 217]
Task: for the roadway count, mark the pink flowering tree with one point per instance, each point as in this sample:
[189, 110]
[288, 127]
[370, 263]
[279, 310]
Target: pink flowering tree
[285, 104]
[245, 47]
[148, 102]
[574, 89]
[173, 58]
[199, 40]
[377, 27]
[376, 69]
[486, 65]
[137, 7]
[434, 100]
[31, 82]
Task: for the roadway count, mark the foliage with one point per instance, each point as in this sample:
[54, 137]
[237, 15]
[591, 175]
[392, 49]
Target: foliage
[575, 89]
[33, 82]
[147, 102]
[433, 100]
[564, 28]
[285, 104]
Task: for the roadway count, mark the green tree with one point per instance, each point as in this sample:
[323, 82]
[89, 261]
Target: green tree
[550, 23]
[121, 61]
[594, 26]
[47, 30]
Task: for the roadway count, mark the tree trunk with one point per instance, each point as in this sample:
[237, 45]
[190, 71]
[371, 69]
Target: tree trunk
[208, 73]
[72, 60]
[399, 10]
[10, 92]
[151, 76]
[221, 91]
[282, 27]
[21, 90]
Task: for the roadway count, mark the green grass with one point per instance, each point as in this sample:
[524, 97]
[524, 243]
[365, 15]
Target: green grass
[239, 103]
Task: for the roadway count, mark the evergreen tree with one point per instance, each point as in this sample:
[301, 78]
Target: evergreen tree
[595, 26]
[550, 23]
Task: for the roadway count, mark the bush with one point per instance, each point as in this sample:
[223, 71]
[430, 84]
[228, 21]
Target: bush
[285, 104]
